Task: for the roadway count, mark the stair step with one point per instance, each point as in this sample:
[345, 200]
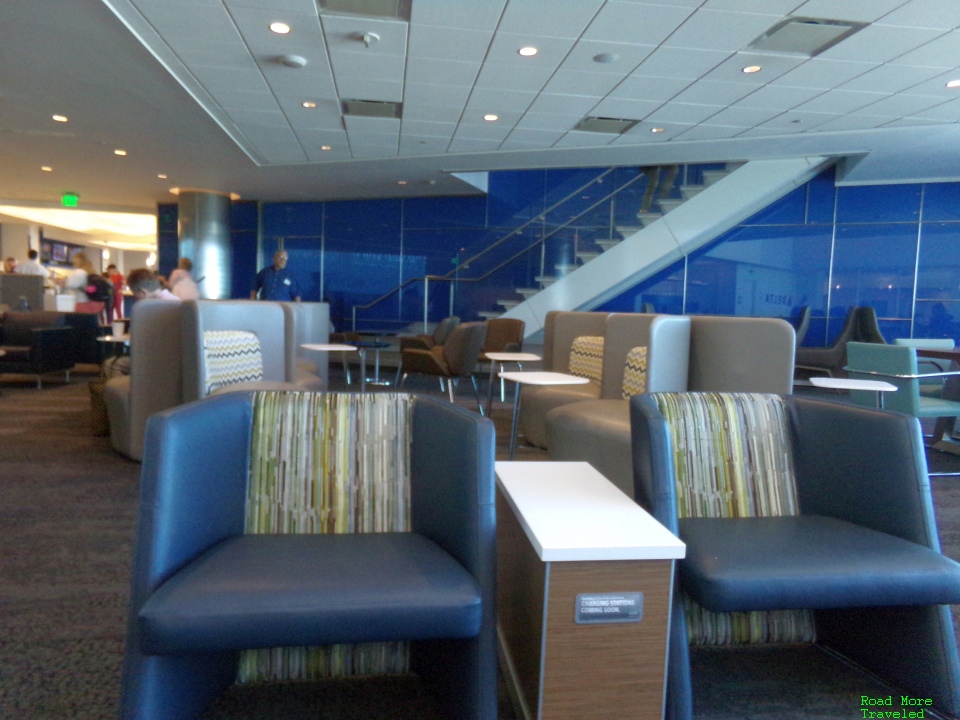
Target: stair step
[669, 204]
[689, 191]
[528, 292]
[649, 218]
[546, 280]
[508, 304]
[712, 176]
[607, 244]
[586, 256]
[489, 314]
[628, 230]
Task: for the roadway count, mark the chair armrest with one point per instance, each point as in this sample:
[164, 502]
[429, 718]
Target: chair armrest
[416, 342]
[192, 484]
[652, 462]
[428, 362]
[862, 465]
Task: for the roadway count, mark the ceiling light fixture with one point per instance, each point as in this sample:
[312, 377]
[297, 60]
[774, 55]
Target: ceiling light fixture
[401, 182]
[308, 104]
[656, 130]
[606, 58]
[162, 176]
[953, 84]
[118, 151]
[46, 168]
[369, 38]
[750, 69]
[292, 61]
[60, 118]
[528, 51]
[326, 147]
[280, 28]
[490, 117]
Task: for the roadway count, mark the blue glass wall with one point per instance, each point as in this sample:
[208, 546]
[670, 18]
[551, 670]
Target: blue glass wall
[893, 247]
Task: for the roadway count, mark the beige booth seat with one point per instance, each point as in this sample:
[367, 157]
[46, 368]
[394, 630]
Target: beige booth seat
[307, 322]
[598, 431]
[726, 354]
[560, 329]
[155, 381]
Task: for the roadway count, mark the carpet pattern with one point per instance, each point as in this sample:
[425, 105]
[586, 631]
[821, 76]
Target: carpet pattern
[67, 513]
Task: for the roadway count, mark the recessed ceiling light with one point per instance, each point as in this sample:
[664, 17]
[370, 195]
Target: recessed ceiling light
[308, 104]
[656, 130]
[749, 69]
[606, 58]
[953, 84]
[326, 147]
[401, 182]
[162, 176]
[490, 117]
[528, 51]
[119, 152]
[280, 28]
[60, 118]
[46, 168]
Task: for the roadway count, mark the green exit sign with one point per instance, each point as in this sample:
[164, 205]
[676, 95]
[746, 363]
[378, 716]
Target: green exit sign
[69, 199]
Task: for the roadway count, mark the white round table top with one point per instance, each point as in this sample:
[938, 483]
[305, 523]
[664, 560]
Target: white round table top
[542, 377]
[328, 347]
[853, 384]
[511, 357]
[114, 338]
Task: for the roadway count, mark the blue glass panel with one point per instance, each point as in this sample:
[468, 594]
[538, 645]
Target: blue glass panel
[305, 262]
[941, 202]
[790, 209]
[294, 219]
[938, 266]
[243, 272]
[445, 212]
[167, 215]
[873, 265]
[821, 197]
[364, 225]
[514, 196]
[244, 215]
[664, 291]
[937, 319]
[878, 203]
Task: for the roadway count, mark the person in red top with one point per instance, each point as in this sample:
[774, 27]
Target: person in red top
[115, 277]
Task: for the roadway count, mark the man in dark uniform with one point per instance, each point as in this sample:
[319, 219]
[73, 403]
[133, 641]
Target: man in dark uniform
[275, 282]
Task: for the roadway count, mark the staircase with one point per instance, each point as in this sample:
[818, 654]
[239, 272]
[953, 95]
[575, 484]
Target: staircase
[660, 239]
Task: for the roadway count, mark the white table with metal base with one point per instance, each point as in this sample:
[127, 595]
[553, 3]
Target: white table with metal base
[500, 358]
[339, 347]
[877, 386]
[535, 378]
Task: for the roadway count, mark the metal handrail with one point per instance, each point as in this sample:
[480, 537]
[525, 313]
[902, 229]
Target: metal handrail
[452, 275]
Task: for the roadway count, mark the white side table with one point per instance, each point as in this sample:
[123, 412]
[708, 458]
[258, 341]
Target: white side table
[877, 386]
[584, 582]
[535, 378]
[339, 347]
[499, 358]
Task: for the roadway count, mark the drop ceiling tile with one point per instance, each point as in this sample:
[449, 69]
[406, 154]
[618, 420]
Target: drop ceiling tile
[648, 87]
[765, 131]
[371, 152]
[428, 129]
[841, 101]
[876, 43]
[305, 37]
[636, 23]
[511, 77]
[371, 125]
[644, 131]
[222, 53]
[719, 30]
[853, 122]
[337, 153]
[576, 105]
[686, 63]
[709, 132]
[479, 15]
[937, 85]
[794, 121]
[344, 33]
[435, 94]
[824, 74]
[307, 83]
[505, 46]
[856, 10]
[544, 138]
[623, 108]
[948, 111]
[784, 7]
[316, 138]
[933, 14]
[500, 102]
[202, 21]
[942, 52]
[711, 92]
[417, 145]
[441, 43]
[278, 6]
[516, 144]
[492, 131]
[915, 122]
[731, 69]
[543, 121]
[575, 138]
[471, 145]
[685, 113]
[563, 18]
[432, 113]
[581, 83]
[355, 68]
[443, 72]
[901, 105]
[213, 78]
[581, 56]
[891, 78]
[773, 97]
[741, 117]
[353, 87]
[233, 98]
[254, 118]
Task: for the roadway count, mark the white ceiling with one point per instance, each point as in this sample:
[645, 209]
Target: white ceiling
[192, 89]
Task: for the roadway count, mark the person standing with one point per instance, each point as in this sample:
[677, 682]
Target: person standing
[181, 283]
[32, 266]
[275, 282]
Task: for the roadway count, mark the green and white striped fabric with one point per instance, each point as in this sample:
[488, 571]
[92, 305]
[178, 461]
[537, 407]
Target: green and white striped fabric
[328, 463]
[230, 356]
[732, 458]
[586, 357]
[635, 373]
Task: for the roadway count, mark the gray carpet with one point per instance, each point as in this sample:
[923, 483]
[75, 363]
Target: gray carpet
[66, 523]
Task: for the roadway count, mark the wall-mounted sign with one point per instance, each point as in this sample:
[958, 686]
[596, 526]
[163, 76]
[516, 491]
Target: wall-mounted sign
[608, 608]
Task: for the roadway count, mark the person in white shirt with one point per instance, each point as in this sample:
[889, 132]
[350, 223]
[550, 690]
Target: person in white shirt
[181, 283]
[145, 285]
[32, 266]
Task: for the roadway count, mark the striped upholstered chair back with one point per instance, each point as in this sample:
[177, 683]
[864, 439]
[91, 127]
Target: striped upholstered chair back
[229, 357]
[732, 459]
[586, 357]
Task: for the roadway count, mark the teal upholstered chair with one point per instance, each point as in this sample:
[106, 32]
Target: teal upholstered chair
[801, 525]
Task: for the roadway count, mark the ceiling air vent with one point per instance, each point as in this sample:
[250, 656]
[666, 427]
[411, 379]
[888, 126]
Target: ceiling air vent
[806, 37]
[372, 108]
[612, 126]
[393, 9]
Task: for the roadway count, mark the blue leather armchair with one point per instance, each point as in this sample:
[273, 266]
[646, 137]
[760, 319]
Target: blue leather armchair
[206, 583]
[790, 504]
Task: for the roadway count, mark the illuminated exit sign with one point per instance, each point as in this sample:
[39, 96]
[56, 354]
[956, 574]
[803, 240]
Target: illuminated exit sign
[69, 199]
